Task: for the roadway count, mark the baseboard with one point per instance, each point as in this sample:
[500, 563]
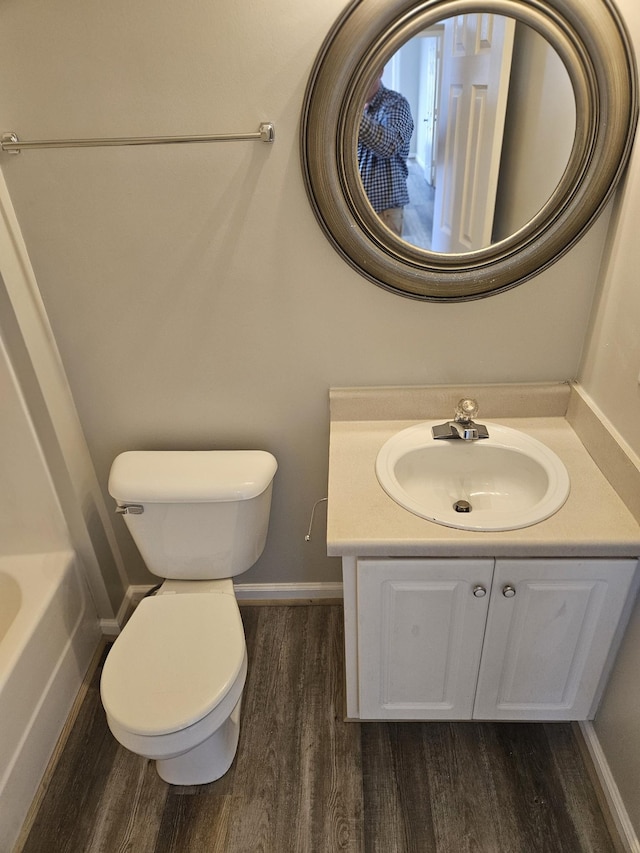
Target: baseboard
[288, 593]
[609, 795]
[246, 593]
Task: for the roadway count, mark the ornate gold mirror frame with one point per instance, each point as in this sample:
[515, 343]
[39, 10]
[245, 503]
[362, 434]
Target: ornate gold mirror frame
[590, 38]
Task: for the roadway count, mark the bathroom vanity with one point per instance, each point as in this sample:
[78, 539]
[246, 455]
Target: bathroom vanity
[454, 624]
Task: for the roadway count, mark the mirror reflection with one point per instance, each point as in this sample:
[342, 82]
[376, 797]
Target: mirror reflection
[466, 132]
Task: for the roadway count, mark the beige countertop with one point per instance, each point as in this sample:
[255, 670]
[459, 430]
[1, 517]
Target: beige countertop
[363, 520]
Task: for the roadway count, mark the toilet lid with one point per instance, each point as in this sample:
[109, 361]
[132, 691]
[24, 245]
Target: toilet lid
[175, 660]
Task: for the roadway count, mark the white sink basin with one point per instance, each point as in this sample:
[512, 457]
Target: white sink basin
[504, 482]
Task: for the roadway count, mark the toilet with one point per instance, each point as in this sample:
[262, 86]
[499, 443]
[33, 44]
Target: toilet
[172, 683]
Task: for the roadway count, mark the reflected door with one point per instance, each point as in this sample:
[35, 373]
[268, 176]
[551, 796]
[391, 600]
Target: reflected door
[426, 126]
[476, 64]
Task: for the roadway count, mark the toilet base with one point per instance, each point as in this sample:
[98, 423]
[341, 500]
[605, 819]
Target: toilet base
[208, 761]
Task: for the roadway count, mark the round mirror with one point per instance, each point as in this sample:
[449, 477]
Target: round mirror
[508, 124]
[453, 149]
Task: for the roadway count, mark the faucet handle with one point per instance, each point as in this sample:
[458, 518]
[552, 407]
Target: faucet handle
[466, 410]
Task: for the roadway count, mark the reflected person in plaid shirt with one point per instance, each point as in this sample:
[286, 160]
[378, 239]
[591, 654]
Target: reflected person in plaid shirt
[383, 147]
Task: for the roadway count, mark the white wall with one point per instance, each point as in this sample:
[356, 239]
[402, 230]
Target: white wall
[539, 131]
[610, 370]
[609, 374]
[194, 298]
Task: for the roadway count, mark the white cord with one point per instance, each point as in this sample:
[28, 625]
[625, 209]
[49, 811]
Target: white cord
[307, 538]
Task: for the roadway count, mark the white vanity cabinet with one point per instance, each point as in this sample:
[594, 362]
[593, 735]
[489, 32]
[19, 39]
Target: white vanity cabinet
[460, 639]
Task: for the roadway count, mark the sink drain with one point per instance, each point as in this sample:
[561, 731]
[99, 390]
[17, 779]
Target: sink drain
[462, 506]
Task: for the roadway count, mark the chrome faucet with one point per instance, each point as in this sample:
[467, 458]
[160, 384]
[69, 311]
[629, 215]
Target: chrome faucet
[462, 426]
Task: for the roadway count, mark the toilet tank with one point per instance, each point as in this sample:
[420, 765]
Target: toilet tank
[195, 514]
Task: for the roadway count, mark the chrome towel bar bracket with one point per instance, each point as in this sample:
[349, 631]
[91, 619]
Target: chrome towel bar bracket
[12, 144]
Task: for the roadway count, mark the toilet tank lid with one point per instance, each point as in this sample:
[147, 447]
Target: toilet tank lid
[182, 476]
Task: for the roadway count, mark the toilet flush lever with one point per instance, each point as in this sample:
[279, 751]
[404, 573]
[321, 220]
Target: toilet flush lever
[133, 509]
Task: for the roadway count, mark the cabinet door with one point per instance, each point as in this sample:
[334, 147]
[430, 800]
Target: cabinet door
[550, 630]
[420, 629]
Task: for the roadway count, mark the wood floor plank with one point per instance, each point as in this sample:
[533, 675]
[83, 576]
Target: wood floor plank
[545, 822]
[580, 803]
[525, 779]
[197, 818]
[307, 793]
[330, 765]
[463, 797]
[131, 808]
[397, 798]
[267, 765]
[305, 781]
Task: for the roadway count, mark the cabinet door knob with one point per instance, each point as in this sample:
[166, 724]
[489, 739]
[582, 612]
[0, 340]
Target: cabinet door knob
[479, 591]
[508, 591]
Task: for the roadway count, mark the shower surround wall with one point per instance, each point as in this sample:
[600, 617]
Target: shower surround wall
[48, 625]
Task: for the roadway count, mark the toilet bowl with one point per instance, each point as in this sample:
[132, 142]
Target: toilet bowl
[172, 683]
[165, 698]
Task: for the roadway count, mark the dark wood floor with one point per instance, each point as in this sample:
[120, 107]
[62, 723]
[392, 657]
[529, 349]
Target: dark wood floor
[304, 781]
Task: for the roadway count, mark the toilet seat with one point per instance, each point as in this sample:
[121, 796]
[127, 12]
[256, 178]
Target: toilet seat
[175, 661]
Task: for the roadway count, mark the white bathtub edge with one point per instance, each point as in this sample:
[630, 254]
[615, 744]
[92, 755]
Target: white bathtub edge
[22, 779]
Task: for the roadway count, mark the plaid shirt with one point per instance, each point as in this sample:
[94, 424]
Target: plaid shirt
[383, 147]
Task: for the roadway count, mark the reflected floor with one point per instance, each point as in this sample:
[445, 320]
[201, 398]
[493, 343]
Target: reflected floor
[418, 214]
